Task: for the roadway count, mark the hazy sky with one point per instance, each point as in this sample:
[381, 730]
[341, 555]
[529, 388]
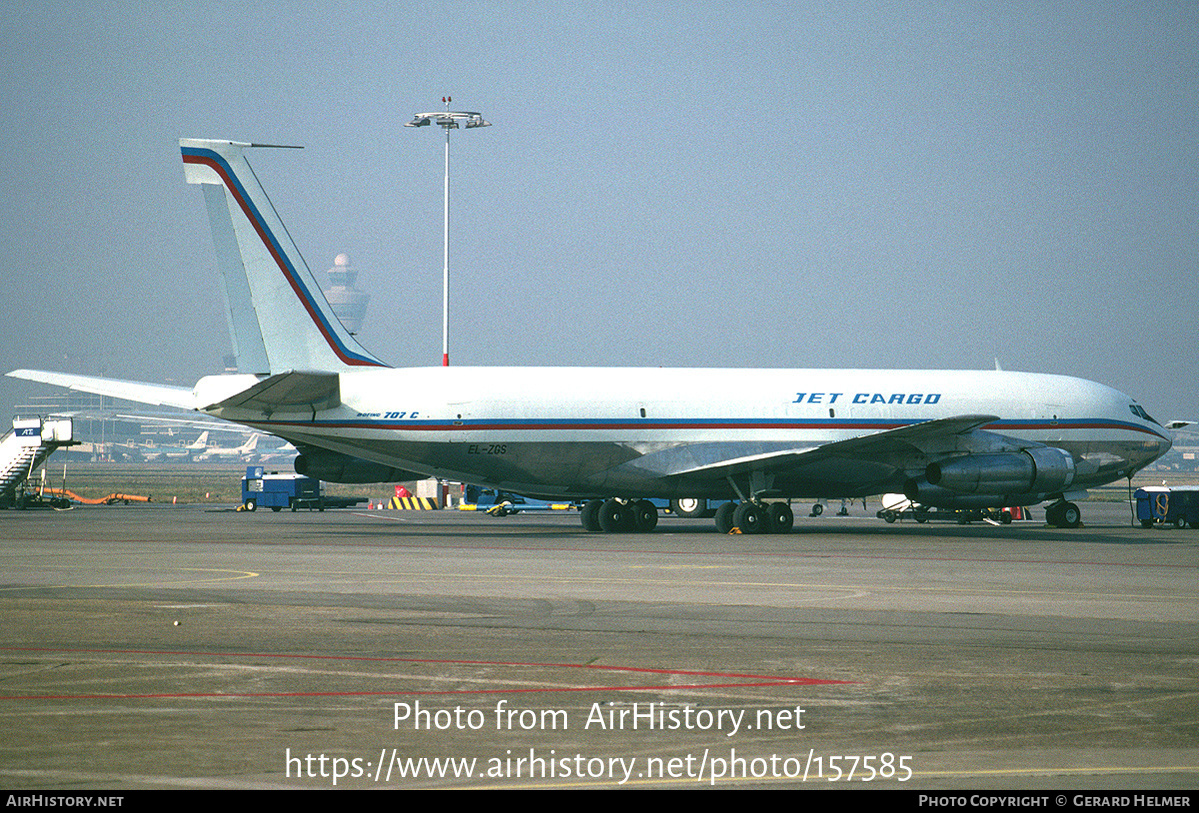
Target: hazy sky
[696, 184]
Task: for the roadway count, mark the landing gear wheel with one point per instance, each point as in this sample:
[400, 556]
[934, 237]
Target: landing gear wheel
[689, 507]
[817, 510]
[724, 517]
[780, 519]
[615, 517]
[645, 516]
[590, 515]
[251, 505]
[1063, 515]
[748, 517]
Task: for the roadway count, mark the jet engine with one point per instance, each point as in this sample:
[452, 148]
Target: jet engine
[333, 467]
[922, 492]
[1039, 470]
[990, 480]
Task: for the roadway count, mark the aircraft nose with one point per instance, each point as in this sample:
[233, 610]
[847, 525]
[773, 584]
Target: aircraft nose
[1156, 448]
[1164, 445]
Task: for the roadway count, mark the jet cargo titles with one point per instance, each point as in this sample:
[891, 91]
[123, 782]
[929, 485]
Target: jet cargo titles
[867, 398]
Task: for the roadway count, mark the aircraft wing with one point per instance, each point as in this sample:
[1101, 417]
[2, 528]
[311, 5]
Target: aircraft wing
[157, 394]
[881, 451]
[928, 437]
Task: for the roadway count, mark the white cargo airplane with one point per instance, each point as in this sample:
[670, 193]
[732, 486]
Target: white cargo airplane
[615, 437]
[152, 453]
[230, 452]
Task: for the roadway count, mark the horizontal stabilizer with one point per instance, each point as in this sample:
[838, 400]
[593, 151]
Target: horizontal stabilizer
[288, 391]
[156, 394]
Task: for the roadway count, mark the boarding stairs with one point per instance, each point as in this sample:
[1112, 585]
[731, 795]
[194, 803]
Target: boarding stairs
[26, 447]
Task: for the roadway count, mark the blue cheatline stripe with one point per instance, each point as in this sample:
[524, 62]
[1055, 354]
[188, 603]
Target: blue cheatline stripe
[193, 155]
[575, 424]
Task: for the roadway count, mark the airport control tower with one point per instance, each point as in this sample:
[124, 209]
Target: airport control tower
[348, 304]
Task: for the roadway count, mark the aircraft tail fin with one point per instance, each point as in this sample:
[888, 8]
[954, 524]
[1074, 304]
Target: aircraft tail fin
[278, 317]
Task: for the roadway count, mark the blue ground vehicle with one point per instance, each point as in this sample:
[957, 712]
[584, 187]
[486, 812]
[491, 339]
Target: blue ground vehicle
[1160, 505]
[278, 491]
[503, 503]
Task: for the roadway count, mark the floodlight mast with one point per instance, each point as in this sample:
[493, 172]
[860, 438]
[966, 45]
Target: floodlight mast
[447, 120]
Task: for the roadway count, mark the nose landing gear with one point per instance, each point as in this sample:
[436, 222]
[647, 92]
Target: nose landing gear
[1062, 514]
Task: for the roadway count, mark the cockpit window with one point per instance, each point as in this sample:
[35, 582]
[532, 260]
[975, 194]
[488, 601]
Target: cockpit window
[1140, 412]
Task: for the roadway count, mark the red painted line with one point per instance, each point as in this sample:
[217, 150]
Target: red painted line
[554, 690]
[560, 426]
[798, 534]
[749, 679]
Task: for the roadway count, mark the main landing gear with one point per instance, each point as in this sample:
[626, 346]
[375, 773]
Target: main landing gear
[755, 517]
[1062, 514]
[620, 516]
[641, 516]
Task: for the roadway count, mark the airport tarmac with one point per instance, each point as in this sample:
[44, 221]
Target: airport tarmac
[155, 646]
